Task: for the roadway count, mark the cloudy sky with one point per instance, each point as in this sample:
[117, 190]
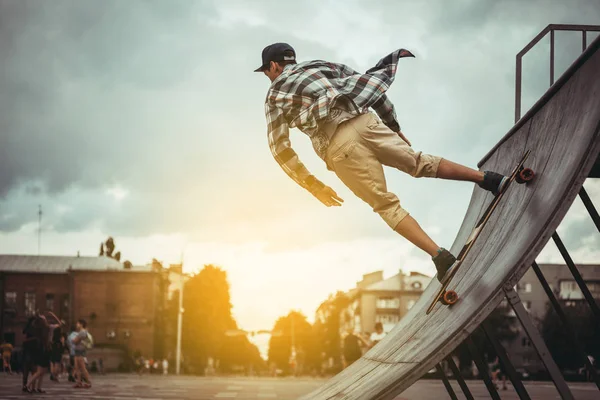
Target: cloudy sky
[143, 120]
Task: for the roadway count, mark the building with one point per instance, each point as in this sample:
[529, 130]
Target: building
[535, 301]
[375, 299]
[122, 306]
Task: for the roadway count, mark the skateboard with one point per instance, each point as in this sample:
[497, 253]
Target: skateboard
[449, 297]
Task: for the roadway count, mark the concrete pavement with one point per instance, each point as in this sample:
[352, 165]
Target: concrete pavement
[156, 387]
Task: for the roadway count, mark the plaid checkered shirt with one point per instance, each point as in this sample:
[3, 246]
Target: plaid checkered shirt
[308, 94]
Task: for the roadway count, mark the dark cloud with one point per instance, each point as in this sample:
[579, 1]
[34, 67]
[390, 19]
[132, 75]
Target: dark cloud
[159, 98]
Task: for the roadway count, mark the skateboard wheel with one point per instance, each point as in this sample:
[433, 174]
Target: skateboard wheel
[449, 298]
[525, 175]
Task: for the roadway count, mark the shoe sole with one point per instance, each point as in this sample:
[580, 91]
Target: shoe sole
[501, 186]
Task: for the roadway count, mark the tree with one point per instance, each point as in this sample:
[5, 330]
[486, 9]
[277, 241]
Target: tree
[293, 329]
[328, 331]
[582, 322]
[207, 316]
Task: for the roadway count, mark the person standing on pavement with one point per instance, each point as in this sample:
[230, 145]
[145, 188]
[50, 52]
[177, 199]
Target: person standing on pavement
[330, 103]
[80, 342]
[41, 356]
[378, 335]
[29, 349]
[71, 347]
[7, 350]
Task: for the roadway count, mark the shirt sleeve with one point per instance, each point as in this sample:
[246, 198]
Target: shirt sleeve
[385, 109]
[280, 145]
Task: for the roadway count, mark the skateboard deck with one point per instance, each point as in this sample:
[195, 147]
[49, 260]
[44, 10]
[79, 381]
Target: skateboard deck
[449, 297]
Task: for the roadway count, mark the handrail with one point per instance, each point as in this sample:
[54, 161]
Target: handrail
[589, 51]
[550, 28]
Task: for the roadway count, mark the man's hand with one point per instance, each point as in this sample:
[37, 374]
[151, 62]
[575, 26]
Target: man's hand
[403, 137]
[328, 196]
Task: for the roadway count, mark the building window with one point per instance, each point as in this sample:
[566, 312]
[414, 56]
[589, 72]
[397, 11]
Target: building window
[10, 300]
[410, 304]
[527, 288]
[569, 290]
[49, 301]
[388, 302]
[29, 304]
[387, 318]
[64, 306]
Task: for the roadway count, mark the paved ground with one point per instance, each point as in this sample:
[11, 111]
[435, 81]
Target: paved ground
[152, 387]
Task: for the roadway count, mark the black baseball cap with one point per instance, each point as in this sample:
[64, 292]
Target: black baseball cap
[276, 52]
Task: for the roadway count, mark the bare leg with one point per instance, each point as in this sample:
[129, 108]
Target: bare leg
[412, 231]
[41, 378]
[456, 172]
[83, 373]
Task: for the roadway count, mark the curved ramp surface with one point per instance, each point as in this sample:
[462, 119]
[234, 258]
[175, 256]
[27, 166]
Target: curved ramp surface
[562, 131]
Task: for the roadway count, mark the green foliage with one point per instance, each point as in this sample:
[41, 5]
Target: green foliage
[207, 316]
[582, 323]
[294, 328]
[328, 331]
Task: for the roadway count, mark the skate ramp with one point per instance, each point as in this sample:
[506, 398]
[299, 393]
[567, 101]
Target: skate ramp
[562, 131]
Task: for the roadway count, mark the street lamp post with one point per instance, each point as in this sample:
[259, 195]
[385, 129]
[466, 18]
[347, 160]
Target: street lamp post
[179, 324]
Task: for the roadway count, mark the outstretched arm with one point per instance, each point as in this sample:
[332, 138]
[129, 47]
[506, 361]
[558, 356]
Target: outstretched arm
[59, 322]
[286, 157]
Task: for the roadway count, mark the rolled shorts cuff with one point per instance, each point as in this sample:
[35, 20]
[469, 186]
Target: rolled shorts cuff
[395, 216]
[429, 166]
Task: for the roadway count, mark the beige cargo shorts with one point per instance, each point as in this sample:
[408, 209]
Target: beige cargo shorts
[357, 153]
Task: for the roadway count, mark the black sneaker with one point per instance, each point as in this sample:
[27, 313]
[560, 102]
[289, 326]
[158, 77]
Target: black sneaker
[493, 182]
[443, 261]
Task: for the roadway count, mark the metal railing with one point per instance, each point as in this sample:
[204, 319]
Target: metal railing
[584, 29]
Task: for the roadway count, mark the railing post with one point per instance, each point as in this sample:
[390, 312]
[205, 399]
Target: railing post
[518, 88]
[552, 57]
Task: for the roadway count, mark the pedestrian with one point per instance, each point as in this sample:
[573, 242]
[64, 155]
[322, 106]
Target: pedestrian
[496, 373]
[65, 360]
[7, 349]
[71, 347]
[330, 103]
[352, 347]
[378, 335]
[82, 341]
[29, 349]
[165, 366]
[57, 349]
[41, 354]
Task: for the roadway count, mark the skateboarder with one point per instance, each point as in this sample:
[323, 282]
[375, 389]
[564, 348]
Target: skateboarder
[330, 103]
